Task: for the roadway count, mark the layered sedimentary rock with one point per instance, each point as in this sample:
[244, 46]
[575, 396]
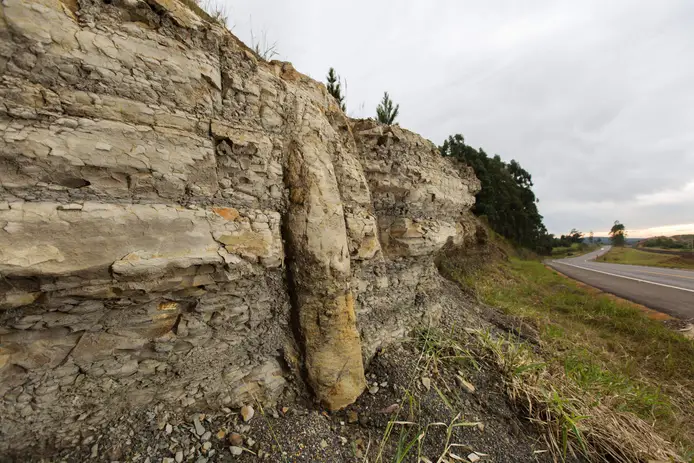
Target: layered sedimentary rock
[170, 203]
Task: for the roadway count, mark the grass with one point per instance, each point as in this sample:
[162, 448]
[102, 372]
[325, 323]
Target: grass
[636, 257]
[606, 380]
[437, 351]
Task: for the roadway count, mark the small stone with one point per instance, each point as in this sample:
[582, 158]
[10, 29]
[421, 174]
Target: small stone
[250, 442]
[236, 451]
[285, 410]
[179, 456]
[323, 444]
[168, 429]
[247, 413]
[480, 426]
[199, 429]
[343, 440]
[352, 416]
[373, 389]
[384, 384]
[226, 410]
[426, 382]
[205, 437]
[95, 450]
[221, 434]
[465, 385]
[390, 408]
[236, 439]
[206, 446]
[473, 457]
[167, 460]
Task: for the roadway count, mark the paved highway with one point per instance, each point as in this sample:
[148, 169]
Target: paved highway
[664, 289]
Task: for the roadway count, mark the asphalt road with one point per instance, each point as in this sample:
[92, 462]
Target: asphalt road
[663, 289]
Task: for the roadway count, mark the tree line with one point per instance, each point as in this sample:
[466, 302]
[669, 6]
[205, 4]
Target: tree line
[506, 198]
[663, 242]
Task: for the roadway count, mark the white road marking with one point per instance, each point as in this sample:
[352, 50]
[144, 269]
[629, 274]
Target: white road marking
[628, 278]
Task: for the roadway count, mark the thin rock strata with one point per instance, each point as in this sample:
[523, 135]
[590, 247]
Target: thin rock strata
[167, 199]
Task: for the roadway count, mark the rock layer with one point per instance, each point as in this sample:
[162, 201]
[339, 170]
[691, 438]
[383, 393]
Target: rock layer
[166, 197]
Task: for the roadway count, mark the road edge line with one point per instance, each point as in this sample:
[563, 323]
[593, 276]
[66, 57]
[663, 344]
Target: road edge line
[625, 277]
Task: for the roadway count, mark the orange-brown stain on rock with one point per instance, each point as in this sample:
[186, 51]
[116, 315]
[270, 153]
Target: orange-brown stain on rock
[228, 213]
[168, 306]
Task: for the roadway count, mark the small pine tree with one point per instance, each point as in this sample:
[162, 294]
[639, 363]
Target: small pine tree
[385, 112]
[334, 88]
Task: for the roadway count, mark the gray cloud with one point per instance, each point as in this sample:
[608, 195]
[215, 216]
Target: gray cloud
[594, 98]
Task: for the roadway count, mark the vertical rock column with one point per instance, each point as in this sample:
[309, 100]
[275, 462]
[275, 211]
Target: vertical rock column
[320, 267]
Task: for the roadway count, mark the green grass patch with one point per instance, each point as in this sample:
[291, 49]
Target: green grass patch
[636, 257]
[608, 348]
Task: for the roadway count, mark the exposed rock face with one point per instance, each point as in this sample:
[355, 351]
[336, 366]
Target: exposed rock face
[166, 198]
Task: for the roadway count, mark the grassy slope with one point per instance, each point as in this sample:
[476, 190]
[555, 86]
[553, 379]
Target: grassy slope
[637, 257]
[604, 349]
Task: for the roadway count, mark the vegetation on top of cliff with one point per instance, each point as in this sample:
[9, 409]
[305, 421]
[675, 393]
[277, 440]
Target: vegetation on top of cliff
[211, 10]
[506, 198]
[386, 112]
[334, 85]
[605, 377]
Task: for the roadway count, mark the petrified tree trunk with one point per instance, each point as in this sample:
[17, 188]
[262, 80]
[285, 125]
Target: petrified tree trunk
[320, 266]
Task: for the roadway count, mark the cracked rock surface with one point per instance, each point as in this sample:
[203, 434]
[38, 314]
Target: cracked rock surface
[187, 226]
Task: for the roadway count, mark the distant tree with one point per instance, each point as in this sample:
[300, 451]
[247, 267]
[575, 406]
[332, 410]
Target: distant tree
[590, 237]
[618, 234]
[334, 88]
[386, 112]
[576, 236]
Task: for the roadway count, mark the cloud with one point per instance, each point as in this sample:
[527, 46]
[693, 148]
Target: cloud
[684, 196]
[593, 98]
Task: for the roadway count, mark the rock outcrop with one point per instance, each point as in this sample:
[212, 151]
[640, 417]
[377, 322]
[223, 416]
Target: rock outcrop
[171, 206]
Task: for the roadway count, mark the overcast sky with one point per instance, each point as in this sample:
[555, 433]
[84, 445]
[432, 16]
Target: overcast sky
[594, 98]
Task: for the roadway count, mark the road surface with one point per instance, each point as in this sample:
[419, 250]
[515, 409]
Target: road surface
[664, 289]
